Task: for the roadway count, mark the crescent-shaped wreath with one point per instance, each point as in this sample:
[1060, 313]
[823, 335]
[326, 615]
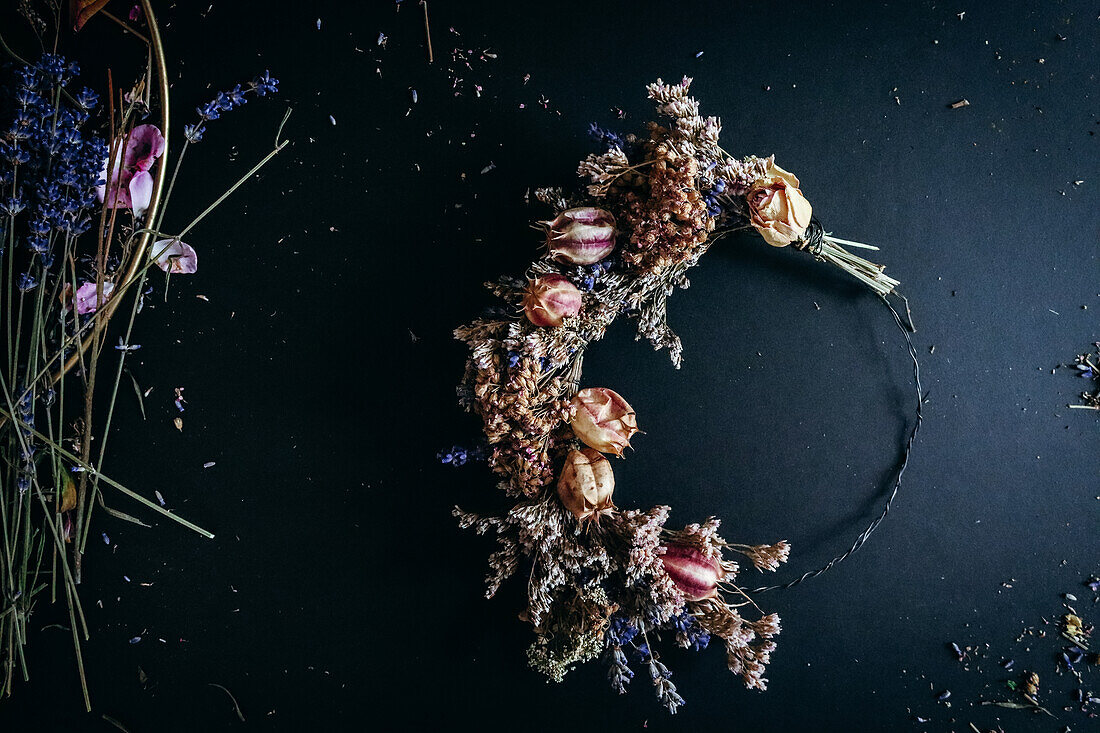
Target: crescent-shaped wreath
[603, 582]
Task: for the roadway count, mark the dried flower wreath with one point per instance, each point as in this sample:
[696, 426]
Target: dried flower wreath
[603, 582]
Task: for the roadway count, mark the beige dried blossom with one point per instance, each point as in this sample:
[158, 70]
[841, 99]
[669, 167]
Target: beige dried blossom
[603, 420]
[586, 485]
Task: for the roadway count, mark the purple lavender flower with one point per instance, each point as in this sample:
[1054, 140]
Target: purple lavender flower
[261, 86]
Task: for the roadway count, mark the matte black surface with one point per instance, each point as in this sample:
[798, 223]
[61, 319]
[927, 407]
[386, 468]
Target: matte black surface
[320, 375]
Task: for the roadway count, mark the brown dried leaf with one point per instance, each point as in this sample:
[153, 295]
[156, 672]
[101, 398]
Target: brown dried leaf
[81, 11]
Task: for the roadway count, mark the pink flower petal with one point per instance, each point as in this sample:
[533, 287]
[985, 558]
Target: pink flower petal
[174, 256]
[143, 147]
[86, 297]
[141, 192]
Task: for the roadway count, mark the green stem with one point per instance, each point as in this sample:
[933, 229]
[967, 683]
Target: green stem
[278, 149]
[68, 455]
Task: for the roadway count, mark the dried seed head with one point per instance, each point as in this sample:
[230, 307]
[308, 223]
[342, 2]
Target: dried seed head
[693, 573]
[586, 484]
[580, 236]
[550, 299]
[603, 420]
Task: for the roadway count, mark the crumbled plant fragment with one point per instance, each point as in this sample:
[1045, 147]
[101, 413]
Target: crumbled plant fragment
[1087, 366]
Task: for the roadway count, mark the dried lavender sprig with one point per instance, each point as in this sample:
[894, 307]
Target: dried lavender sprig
[225, 101]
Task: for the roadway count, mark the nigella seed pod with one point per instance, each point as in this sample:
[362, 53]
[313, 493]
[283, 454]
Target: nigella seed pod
[580, 236]
[693, 573]
[586, 484]
[550, 299]
[603, 420]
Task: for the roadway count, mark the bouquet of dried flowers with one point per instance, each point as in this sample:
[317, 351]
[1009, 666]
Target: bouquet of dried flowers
[83, 196]
[605, 583]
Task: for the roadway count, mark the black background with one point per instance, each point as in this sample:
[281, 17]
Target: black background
[320, 375]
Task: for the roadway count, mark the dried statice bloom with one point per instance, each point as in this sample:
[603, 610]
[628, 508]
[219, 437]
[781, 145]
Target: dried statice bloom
[604, 169]
[698, 137]
[748, 643]
[766, 557]
[552, 197]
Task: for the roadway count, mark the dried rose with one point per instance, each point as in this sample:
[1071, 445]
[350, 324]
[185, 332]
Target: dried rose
[777, 208]
[580, 236]
[603, 420]
[551, 298]
[586, 484]
[693, 573]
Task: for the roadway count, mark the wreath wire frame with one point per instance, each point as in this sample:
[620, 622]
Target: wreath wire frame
[603, 582]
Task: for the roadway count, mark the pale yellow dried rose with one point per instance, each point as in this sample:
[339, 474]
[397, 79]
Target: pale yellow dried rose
[777, 208]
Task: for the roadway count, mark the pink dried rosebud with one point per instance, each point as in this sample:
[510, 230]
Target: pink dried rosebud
[586, 484]
[693, 573]
[603, 420]
[580, 236]
[550, 299]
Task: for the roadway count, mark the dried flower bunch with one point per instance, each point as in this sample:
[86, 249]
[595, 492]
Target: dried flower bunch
[603, 582]
[84, 191]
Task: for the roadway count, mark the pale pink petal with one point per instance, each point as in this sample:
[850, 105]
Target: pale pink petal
[141, 192]
[86, 301]
[143, 147]
[174, 256]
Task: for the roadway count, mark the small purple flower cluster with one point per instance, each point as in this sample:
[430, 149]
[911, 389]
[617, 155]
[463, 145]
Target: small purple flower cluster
[689, 633]
[458, 456]
[714, 205]
[261, 86]
[607, 137]
[48, 168]
[620, 632]
[587, 277]
[49, 171]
